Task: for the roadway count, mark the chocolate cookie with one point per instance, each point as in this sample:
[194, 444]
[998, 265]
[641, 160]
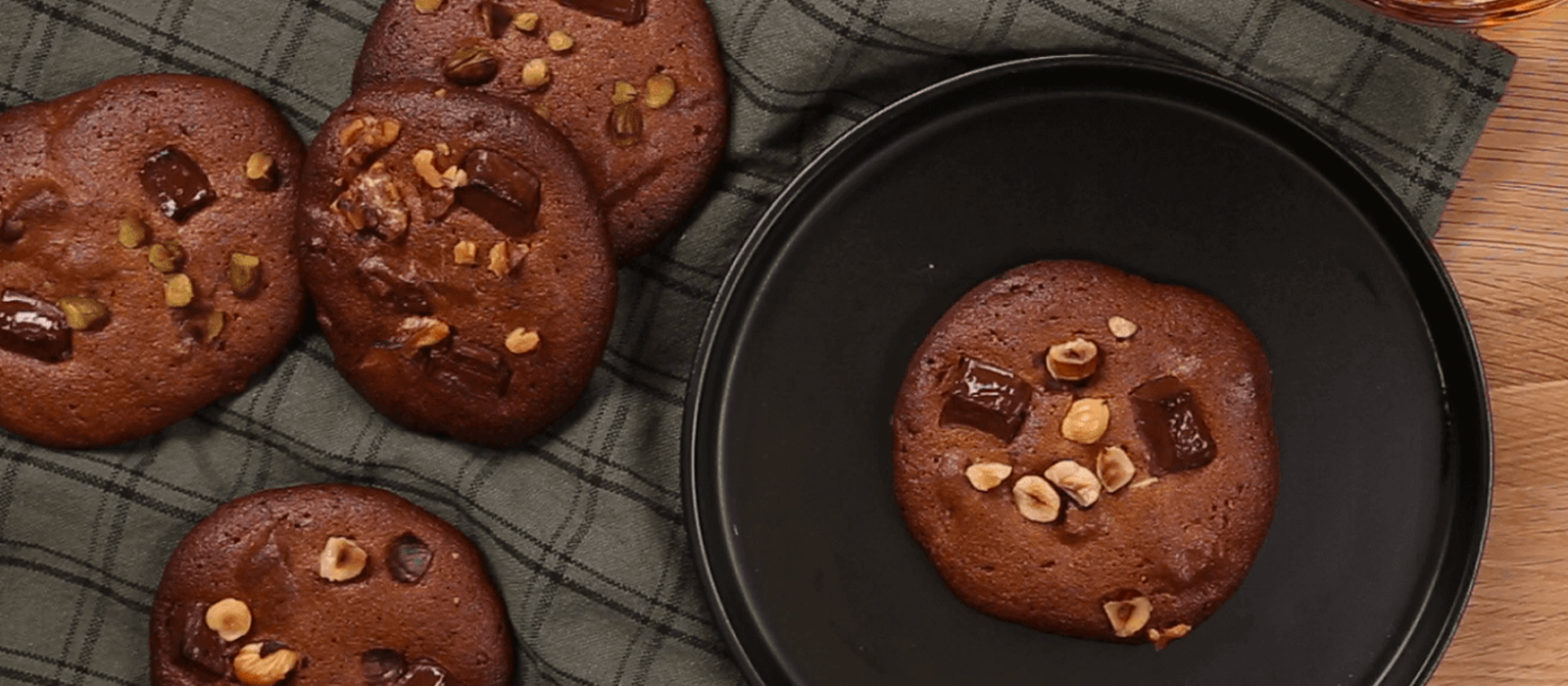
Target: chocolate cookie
[457, 259]
[147, 260]
[327, 584]
[1088, 453]
[637, 85]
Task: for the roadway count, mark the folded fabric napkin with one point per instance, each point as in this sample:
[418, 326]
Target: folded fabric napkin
[583, 526]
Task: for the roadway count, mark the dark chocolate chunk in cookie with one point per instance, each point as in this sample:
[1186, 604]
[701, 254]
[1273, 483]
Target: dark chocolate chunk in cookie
[1172, 426]
[988, 398]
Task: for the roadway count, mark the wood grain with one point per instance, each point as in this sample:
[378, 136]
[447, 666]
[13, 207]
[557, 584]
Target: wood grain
[1505, 241]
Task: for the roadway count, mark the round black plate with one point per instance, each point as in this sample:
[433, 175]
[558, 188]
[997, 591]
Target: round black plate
[1380, 405]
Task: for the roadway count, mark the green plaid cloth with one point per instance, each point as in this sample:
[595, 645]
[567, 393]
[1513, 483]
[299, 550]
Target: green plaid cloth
[583, 526]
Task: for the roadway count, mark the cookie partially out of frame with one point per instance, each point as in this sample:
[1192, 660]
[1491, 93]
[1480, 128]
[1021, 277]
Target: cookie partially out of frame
[457, 259]
[147, 262]
[1088, 453]
[323, 585]
[637, 85]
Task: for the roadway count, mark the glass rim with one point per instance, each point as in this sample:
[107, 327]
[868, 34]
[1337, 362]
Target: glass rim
[1461, 14]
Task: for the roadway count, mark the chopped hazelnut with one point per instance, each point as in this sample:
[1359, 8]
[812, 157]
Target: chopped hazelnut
[1144, 483]
[254, 669]
[536, 74]
[1114, 468]
[1086, 420]
[465, 252]
[133, 233]
[1121, 327]
[425, 166]
[985, 476]
[560, 41]
[1075, 360]
[244, 273]
[661, 89]
[1163, 637]
[82, 313]
[1128, 616]
[341, 560]
[427, 6]
[423, 332]
[178, 291]
[526, 21]
[230, 618]
[166, 256]
[624, 93]
[454, 177]
[522, 341]
[261, 172]
[1076, 481]
[1036, 500]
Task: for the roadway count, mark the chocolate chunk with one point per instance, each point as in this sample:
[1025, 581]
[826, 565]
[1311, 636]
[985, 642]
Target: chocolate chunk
[1168, 416]
[270, 647]
[624, 11]
[406, 292]
[410, 559]
[471, 65]
[471, 367]
[202, 646]
[988, 398]
[33, 327]
[40, 206]
[10, 229]
[381, 666]
[495, 18]
[177, 184]
[425, 672]
[500, 191]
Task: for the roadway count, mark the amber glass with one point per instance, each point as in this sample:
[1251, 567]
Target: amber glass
[1461, 13]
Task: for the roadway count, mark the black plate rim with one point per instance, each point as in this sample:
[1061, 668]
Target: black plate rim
[1478, 416]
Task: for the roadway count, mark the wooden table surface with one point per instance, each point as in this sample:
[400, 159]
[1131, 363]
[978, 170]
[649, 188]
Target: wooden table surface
[1505, 241]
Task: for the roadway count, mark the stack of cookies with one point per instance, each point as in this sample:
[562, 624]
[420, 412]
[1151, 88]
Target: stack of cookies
[457, 221]
[463, 211]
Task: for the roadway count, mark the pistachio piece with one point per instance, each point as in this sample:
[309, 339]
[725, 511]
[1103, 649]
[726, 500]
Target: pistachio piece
[244, 273]
[624, 93]
[522, 341]
[985, 476]
[166, 256]
[427, 6]
[471, 65]
[229, 617]
[261, 172]
[526, 21]
[82, 313]
[661, 89]
[133, 232]
[178, 291]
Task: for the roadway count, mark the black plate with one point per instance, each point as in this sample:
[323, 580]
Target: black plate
[1167, 172]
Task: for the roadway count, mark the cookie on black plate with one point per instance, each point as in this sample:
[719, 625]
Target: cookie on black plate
[147, 261]
[1088, 453]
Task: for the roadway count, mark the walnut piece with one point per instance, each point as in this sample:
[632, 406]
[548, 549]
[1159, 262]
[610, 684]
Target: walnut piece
[341, 560]
[1076, 481]
[1114, 468]
[229, 617]
[423, 332]
[425, 166]
[624, 93]
[1036, 500]
[1086, 420]
[255, 668]
[985, 476]
[465, 252]
[1128, 616]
